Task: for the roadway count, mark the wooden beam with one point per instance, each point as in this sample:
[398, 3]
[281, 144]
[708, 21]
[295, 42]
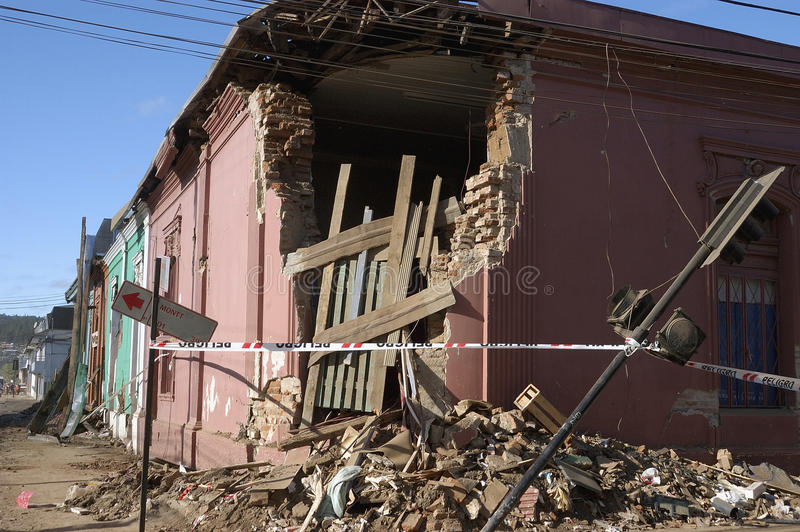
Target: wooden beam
[315, 434]
[403, 276]
[325, 292]
[357, 239]
[427, 238]
[387, 319]
[377, 369]
[333, 430]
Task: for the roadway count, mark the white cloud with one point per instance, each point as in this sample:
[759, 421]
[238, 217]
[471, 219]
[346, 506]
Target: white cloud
[152, 106]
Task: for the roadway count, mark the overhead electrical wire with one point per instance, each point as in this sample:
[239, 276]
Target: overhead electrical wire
[394, 25]
[395, 52]
[529, 20]
[757, 6]
[30, 298]
[261, 64]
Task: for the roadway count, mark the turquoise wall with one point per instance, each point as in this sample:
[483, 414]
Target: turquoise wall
[122, 365]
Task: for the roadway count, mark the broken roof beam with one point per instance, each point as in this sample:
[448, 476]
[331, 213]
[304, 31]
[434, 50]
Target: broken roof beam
[357, 239]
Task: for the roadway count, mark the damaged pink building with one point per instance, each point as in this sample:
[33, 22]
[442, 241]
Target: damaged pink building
[585, 145]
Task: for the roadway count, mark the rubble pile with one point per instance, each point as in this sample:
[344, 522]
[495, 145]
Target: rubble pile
[378, 475]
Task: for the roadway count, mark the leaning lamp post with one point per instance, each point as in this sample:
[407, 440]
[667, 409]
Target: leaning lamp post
[737, 223]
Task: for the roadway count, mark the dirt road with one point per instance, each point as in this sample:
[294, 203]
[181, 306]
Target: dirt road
[48, 470]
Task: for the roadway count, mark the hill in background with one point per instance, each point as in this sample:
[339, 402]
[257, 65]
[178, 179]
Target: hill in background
[17, 329]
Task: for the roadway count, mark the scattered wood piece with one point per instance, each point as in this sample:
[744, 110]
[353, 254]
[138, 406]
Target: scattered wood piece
[749, 479]
[533, 402]
[319, 433]
[247, 465]
[318, 488]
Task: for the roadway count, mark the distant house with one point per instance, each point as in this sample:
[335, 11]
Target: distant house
[48, 349]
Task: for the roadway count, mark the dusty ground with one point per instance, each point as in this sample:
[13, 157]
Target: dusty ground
[49, 469]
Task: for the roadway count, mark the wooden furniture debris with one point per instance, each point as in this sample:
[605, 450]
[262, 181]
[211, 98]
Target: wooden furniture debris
[364, 292]
[533, 402]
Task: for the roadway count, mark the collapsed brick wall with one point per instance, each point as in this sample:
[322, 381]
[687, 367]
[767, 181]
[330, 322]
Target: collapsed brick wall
[284, 138]
[284, 133]
[492, 198]
[276, 410]
[282, 163]
[493, 195]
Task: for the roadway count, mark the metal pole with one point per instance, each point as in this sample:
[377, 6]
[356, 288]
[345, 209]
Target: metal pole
[639, 334]
[148, 408]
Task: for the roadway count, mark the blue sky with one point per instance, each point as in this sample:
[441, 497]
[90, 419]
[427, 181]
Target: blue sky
[82, 118]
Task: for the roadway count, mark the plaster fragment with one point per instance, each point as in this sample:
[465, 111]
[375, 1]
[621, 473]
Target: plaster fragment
[691, 402]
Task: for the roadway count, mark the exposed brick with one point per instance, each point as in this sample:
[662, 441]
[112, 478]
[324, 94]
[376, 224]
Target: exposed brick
[413, 523]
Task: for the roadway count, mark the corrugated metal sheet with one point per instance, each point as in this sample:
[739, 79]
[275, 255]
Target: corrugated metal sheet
[512, 291]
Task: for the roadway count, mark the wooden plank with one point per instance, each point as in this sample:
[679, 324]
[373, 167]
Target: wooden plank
[377, 370]
[335, 227]
[338, 391]
[387, 319]
[351, 367]
[427, 238]
[358, 278]
[333, 430]
[315, 434]
[361, 402]
[399, 227]
[310, 396]
[369, 303]
[357, 239]
[351, 287]
[340, 288]
[354, 308]
[379, 286]
[404, 274]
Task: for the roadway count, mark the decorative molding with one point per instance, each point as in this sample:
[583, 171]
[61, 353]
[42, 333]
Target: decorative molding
[230, 104]
[733, 159]
[172, 237]
[165, 155]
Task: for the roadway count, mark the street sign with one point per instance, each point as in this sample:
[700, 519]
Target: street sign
[136, 302]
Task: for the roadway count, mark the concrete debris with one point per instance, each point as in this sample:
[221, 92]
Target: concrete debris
[456, 484]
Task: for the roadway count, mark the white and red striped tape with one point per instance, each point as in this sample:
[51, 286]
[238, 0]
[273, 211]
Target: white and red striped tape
[364, 346]
[768, 379]
[776, 381]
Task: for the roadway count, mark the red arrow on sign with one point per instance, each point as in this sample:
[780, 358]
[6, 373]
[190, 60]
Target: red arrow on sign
[133, 300]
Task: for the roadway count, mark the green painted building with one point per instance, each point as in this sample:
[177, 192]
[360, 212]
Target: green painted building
[125, 341]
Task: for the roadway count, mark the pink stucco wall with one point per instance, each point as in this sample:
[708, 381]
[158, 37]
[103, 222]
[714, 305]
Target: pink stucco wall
[229, 269]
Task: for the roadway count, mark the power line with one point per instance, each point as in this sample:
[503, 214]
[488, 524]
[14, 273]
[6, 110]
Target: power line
[765, 8]
[261, 65]
[278, 67]
[353, 10]
[30, 298]
[489, 54]
[528, 20]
